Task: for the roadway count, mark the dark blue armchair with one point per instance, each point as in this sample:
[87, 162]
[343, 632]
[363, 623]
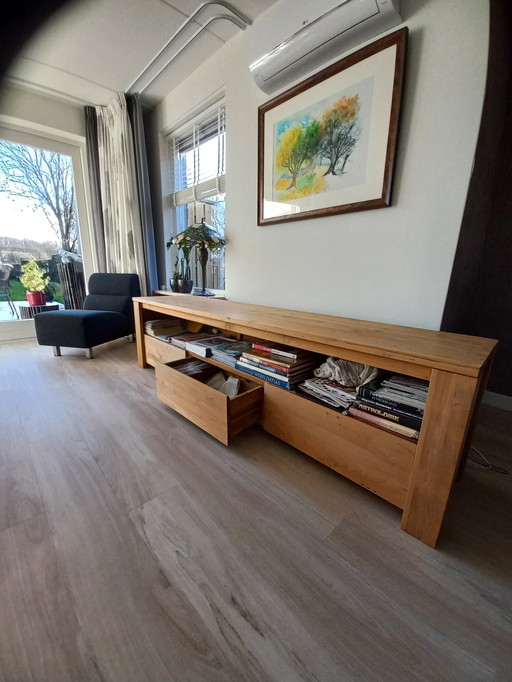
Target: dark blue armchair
[107, 315]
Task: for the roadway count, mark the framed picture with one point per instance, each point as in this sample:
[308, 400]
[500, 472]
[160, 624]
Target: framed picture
[327, 145]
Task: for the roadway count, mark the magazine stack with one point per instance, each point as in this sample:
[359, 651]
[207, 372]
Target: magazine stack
[396, 403]
[328, 391]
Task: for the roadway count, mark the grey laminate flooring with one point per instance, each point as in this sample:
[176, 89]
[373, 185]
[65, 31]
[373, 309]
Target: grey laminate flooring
[134, 547]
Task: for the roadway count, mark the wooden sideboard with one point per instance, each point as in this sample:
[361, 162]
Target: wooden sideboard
[416, 477]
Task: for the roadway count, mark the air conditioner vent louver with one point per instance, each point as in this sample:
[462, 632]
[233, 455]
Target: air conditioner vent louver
[293, 38]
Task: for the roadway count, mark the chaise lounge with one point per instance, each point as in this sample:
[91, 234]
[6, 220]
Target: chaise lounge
[107, 315]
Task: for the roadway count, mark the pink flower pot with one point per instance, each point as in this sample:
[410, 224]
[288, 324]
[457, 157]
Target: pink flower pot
[36, 298]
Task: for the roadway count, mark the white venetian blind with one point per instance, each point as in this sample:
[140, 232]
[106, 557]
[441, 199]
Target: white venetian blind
[199, 157]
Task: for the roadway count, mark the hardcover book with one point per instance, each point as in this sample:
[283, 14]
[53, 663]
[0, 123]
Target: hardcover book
[384, 423]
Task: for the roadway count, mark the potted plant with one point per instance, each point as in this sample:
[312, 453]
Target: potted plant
[49, 291]
[204, 238]
[34, 280]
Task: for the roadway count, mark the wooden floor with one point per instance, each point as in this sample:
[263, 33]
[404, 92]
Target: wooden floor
[135, 547]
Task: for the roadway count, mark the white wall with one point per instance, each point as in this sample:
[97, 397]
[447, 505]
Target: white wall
[391, 264]
[42, 112]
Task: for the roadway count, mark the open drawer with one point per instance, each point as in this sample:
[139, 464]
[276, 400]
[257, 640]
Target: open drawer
[216, 413]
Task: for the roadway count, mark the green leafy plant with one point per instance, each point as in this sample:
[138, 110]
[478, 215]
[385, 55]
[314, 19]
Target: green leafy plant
[33, 277]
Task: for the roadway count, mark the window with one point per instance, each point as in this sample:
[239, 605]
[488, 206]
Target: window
[198, 150]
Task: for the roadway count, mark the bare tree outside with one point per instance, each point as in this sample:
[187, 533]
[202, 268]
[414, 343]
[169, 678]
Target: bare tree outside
[45, 179]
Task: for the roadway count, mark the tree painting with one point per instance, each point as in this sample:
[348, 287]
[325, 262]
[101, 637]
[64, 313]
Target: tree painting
[315, 145]
[340, 133]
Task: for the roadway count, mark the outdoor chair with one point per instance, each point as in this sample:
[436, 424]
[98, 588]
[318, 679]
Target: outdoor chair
[5, 287]
[107, 315]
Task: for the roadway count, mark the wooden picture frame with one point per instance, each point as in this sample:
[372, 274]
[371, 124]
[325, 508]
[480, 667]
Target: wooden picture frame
[327, 145]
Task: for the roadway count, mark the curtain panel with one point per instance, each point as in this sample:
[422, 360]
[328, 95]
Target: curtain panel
[121, 213]
[142, 173]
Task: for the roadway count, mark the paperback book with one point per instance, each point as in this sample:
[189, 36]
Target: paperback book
[402, 430]
[278, 381]
[204, 346]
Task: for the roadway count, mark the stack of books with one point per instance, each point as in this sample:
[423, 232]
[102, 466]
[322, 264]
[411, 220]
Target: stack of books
[280, 365]
[229, 353]
[205, 346]
[396, 403]
[162, 329]
[329, 392]
[180, 339]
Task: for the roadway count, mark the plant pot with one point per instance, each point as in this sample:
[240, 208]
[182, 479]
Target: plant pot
[36, 298]
[175, 284]
[186, 285]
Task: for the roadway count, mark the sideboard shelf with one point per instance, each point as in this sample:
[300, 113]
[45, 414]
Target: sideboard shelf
[416, 477]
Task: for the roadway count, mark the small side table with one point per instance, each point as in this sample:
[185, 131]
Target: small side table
[27, 311]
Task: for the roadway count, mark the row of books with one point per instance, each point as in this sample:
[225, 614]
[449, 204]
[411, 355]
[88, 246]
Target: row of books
[395, 402]
[280, 365]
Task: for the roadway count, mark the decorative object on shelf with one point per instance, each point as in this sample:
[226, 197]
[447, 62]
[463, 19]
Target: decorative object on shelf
[174, 281]
[34, 280]
[205, 238]
[327, 145]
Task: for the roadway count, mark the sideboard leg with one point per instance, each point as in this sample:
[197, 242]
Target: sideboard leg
[450, 405]
[139, 333]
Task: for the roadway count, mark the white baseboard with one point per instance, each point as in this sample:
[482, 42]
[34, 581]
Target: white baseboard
[14, 331]
[504, 402]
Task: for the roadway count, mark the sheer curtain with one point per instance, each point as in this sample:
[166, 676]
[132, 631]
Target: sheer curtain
[121, 213]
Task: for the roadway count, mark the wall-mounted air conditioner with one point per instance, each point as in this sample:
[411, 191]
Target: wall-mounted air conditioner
[295, 37]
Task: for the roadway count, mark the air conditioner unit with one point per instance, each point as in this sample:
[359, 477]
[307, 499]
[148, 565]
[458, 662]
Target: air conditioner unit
[295, 37]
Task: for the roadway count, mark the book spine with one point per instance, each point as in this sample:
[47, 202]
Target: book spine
[388, 403]
[258, 358]
[263, 348]
[255, 373]
[384, 423]
[291, 355]
[387, 413]
[279, 371]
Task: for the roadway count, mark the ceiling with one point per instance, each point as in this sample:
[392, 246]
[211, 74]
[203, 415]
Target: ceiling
[92, 49]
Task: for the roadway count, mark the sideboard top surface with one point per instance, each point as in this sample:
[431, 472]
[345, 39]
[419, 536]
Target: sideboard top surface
[441, 350]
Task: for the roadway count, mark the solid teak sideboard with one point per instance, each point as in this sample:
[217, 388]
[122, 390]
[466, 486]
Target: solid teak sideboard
[417, 477]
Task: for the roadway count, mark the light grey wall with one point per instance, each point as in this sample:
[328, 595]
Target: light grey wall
[393, 264]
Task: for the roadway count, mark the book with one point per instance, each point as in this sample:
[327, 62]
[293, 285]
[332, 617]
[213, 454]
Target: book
[384, 423]
[228, 353]
[388, 413]
[279, 350]
[275, 369]
[379, 398]
[180, 340]
[245, 364]
[204, 346]
[253, 371]
[264, 358]
[162, 326]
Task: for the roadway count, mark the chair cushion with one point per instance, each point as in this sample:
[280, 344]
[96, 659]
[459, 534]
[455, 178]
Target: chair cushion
[80, 328]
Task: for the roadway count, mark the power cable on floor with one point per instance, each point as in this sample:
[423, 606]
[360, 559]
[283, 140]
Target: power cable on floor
[482, 461]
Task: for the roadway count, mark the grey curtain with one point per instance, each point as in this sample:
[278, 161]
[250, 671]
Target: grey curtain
[93, 166]
[141, 166]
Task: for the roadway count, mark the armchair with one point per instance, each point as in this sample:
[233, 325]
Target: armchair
[107, 315]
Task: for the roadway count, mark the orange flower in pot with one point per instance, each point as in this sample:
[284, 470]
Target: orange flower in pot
[34, 281]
